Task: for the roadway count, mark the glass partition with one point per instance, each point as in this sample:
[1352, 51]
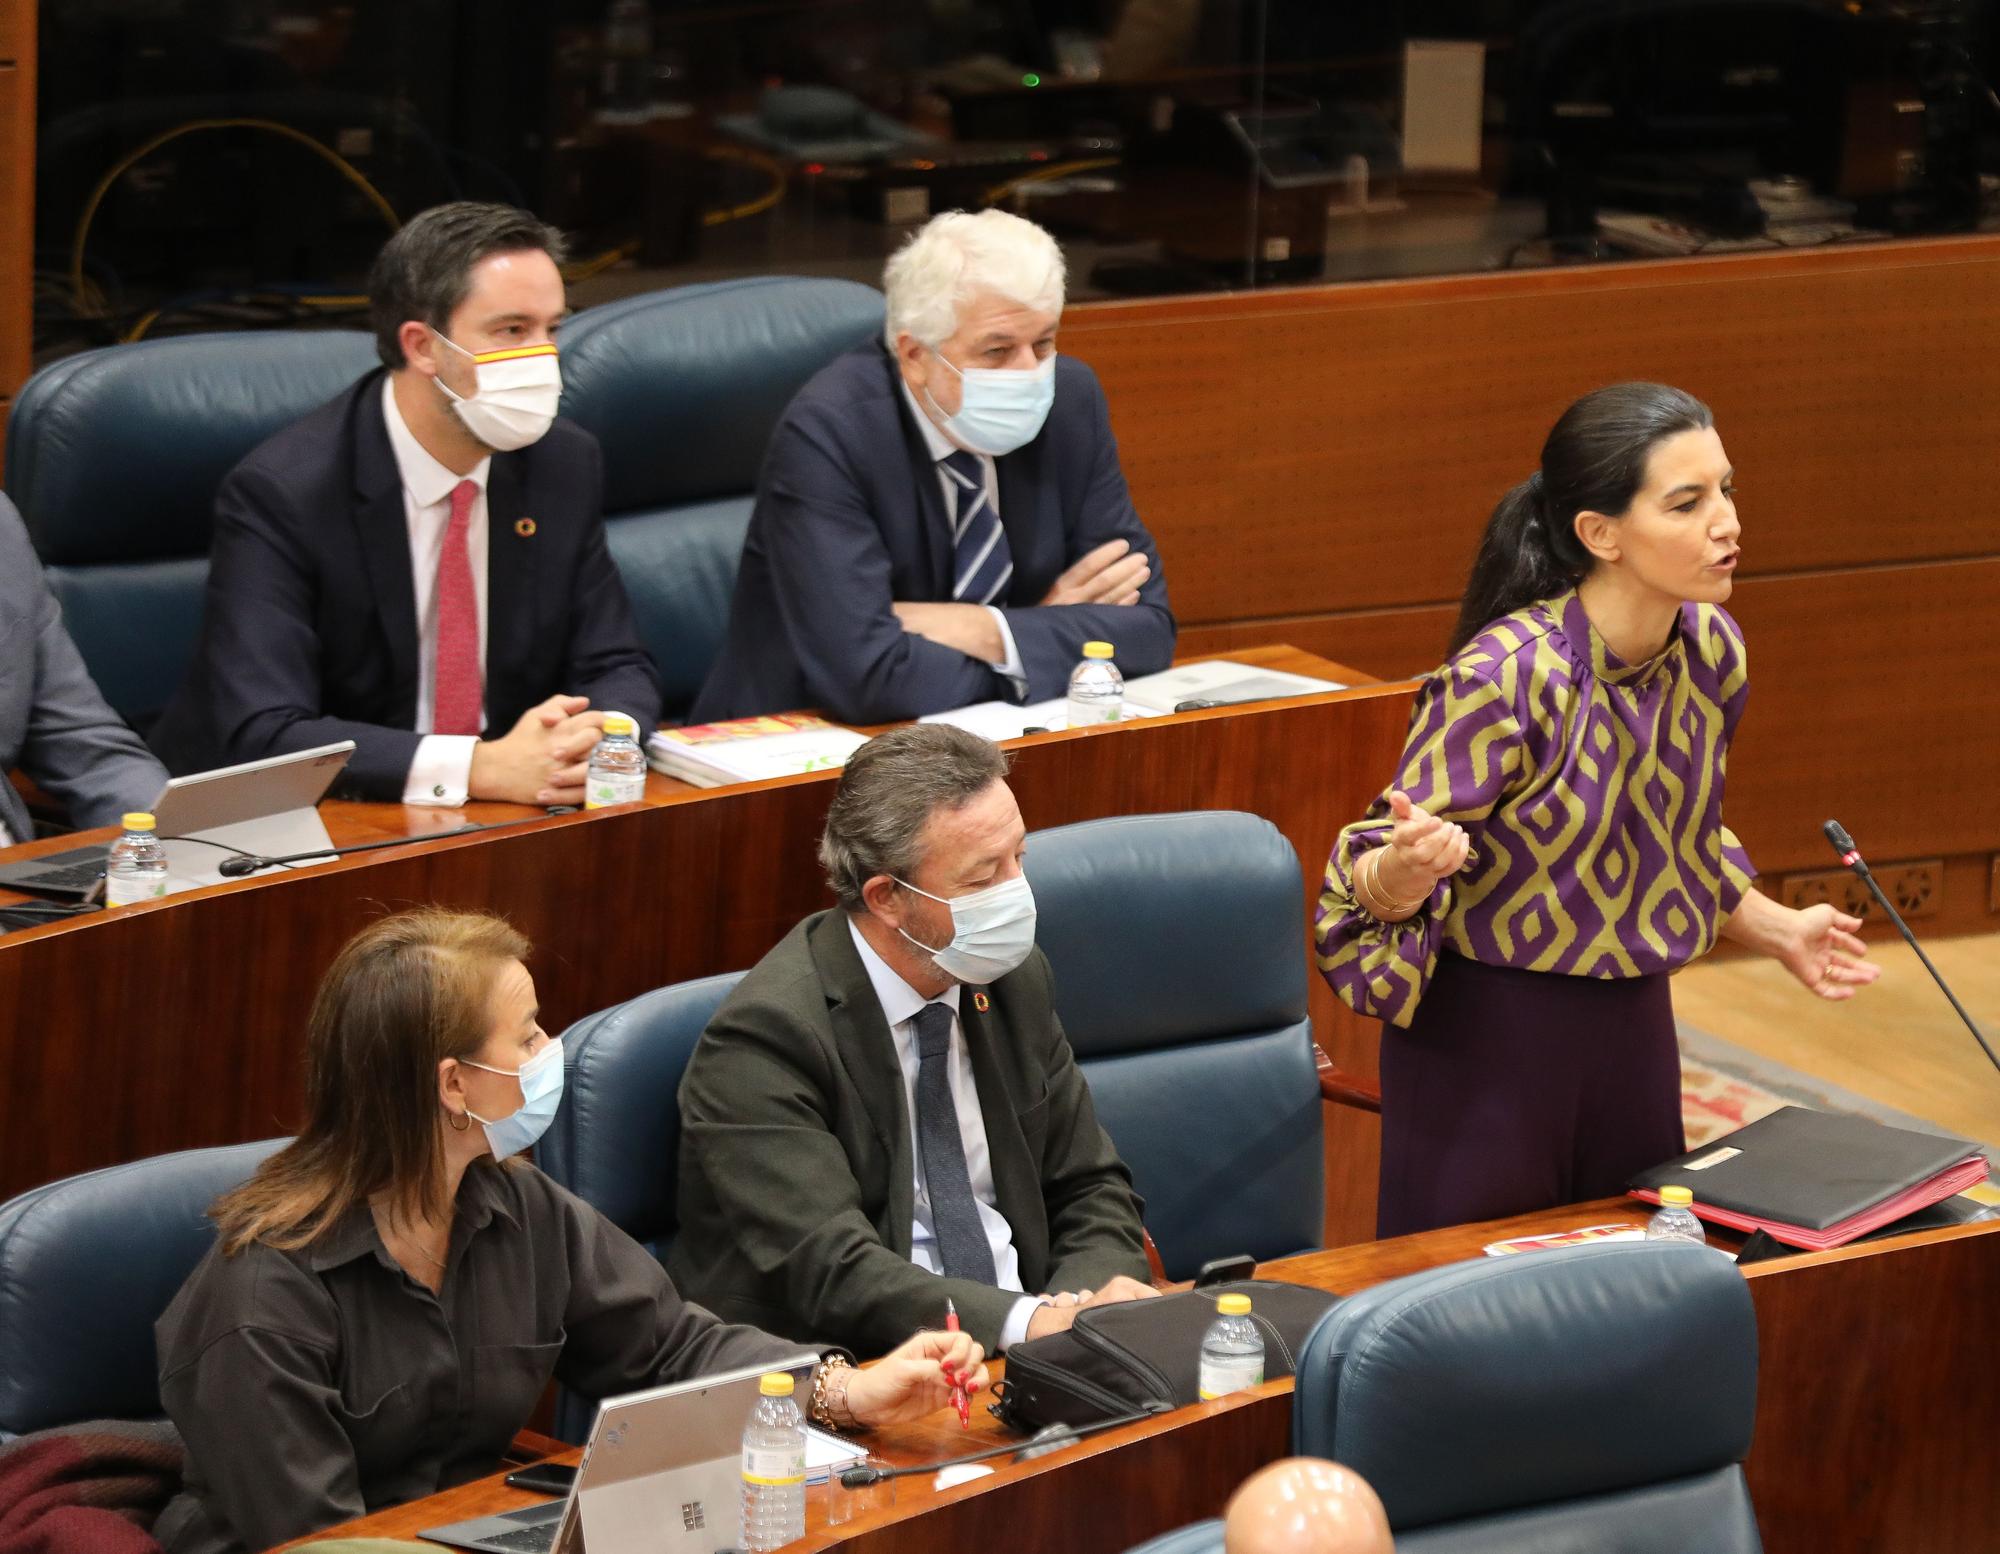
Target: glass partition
[220, 163]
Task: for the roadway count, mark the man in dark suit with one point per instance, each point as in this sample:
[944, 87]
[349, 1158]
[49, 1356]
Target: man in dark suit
[54, 723]
[885, 1113]
[420, 565]
[943, 521]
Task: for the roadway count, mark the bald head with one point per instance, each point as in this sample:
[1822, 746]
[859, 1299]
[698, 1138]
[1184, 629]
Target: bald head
[1305, 1505]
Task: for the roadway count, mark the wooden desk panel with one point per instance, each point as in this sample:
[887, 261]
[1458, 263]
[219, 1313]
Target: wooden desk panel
[1333, 448]
[1878, 1400]
[180, 1023]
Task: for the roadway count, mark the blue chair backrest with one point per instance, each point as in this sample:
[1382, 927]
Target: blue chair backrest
[1601, 1397]
[87, 1265]
[114, 457]
[1178, 945]
[683, 388]
[616, 1138]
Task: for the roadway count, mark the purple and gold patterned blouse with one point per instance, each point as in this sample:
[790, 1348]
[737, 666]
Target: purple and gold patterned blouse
[1592, 792]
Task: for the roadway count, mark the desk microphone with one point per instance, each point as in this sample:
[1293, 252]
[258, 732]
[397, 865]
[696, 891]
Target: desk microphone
[1850, 855]
[249, 863]
[1047, 1439]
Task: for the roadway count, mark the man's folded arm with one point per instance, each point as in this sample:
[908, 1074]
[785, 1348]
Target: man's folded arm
[836, 605]
[1051, 637]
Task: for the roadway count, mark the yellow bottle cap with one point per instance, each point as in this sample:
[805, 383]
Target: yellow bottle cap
[1097, 650]
[138, 820]
[619, 723]
[776, 1385]
[1676, 1197]
[1233, 1306]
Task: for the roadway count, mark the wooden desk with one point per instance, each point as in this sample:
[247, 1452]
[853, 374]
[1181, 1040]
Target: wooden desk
[1878, 1403]
[180, 1022]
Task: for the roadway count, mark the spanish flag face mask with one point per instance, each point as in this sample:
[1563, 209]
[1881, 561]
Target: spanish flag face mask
[514, 401]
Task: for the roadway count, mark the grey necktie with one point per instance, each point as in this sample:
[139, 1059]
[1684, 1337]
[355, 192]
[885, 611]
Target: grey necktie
[961, 1239]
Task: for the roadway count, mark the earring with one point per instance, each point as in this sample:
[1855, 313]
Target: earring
[459, 1121]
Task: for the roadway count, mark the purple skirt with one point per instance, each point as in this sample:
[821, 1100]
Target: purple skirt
[1514, 1091]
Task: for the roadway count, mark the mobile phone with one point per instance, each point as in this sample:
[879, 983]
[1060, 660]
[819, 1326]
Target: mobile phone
[544, 1478]
[1225, 1270]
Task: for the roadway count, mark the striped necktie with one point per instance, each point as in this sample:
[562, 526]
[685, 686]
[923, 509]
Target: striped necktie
[981, 561]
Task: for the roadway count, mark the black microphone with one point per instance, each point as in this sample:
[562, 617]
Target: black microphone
[1836, 833]
[249, 863]
[1047, 1439]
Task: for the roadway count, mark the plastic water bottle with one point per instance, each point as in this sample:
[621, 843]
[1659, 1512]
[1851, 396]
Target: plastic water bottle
[1232, 1350]
[1096, 688]
[774, 1468]
[617, 773]
[136, 869]
[1675, 1220]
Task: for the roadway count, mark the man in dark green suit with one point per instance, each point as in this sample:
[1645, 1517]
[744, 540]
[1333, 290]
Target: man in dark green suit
[885, 1113]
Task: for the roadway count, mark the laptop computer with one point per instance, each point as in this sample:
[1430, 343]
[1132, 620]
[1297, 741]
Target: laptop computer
[661, 1471]
[265, 807]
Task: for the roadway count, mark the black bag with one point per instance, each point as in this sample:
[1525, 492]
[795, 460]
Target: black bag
[1146, 1353]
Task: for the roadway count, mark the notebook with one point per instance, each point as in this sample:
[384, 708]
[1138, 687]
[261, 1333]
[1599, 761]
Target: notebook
[1816, 1179]
[710, 755]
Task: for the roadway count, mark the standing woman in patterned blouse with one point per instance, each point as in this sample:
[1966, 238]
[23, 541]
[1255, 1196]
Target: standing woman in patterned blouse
[1553, 846]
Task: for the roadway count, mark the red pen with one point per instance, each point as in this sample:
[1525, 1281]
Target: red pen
[961, 1398]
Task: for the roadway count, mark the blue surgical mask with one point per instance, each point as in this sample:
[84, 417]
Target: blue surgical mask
[999, 408]
[541, 1093]
[992, 931]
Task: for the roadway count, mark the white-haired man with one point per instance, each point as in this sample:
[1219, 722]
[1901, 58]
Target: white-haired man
[941, 518]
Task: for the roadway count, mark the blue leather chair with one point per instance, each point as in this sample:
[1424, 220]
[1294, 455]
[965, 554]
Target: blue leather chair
[617, 1136]
[683, 388]
[1595, 1399]
[1178, 944]
[1195, 1538]
[114, 457]
[87, 1265]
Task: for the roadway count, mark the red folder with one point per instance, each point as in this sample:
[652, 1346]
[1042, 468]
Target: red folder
[1947, 1183]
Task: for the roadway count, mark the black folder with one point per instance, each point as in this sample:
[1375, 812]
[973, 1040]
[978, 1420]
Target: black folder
[1824, 1175]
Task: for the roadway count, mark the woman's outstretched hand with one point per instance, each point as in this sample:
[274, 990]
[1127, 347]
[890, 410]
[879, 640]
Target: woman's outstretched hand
[1422, 850]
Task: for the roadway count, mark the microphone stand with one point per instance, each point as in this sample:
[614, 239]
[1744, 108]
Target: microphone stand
[1836, 833]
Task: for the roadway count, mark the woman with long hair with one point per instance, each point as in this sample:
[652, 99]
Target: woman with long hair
[391, 1292]
[1553, 845]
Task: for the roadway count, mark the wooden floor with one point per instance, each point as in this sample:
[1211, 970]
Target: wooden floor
[1898, 1042]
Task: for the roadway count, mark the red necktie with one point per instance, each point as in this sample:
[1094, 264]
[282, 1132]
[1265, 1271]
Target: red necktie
[458, 691]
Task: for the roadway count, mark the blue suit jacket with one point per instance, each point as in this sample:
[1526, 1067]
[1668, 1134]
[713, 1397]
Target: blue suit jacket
[309, 627]
[850, 520]
[53, 723]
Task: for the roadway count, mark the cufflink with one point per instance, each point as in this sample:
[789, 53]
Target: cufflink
[437, 790]
[525, 527]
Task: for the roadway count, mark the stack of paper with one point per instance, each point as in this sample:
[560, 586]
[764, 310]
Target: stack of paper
[711, 755]
[998, 720]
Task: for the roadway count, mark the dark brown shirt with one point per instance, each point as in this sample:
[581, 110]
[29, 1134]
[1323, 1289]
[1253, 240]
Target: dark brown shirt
[316, 1386]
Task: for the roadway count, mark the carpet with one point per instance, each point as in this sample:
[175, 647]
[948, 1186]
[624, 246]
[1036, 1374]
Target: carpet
[1724, 1087]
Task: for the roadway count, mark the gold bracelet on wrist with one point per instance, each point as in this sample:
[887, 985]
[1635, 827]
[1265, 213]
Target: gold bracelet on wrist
[829, 1395]
[1383, 904]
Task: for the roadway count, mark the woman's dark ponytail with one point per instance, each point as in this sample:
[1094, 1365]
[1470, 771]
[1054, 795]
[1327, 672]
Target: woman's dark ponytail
[1593, 461]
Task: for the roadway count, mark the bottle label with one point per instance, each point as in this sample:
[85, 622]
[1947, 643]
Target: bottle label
[123, 891]
[616, 788]
[1219, 1378]
[774, 1467]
